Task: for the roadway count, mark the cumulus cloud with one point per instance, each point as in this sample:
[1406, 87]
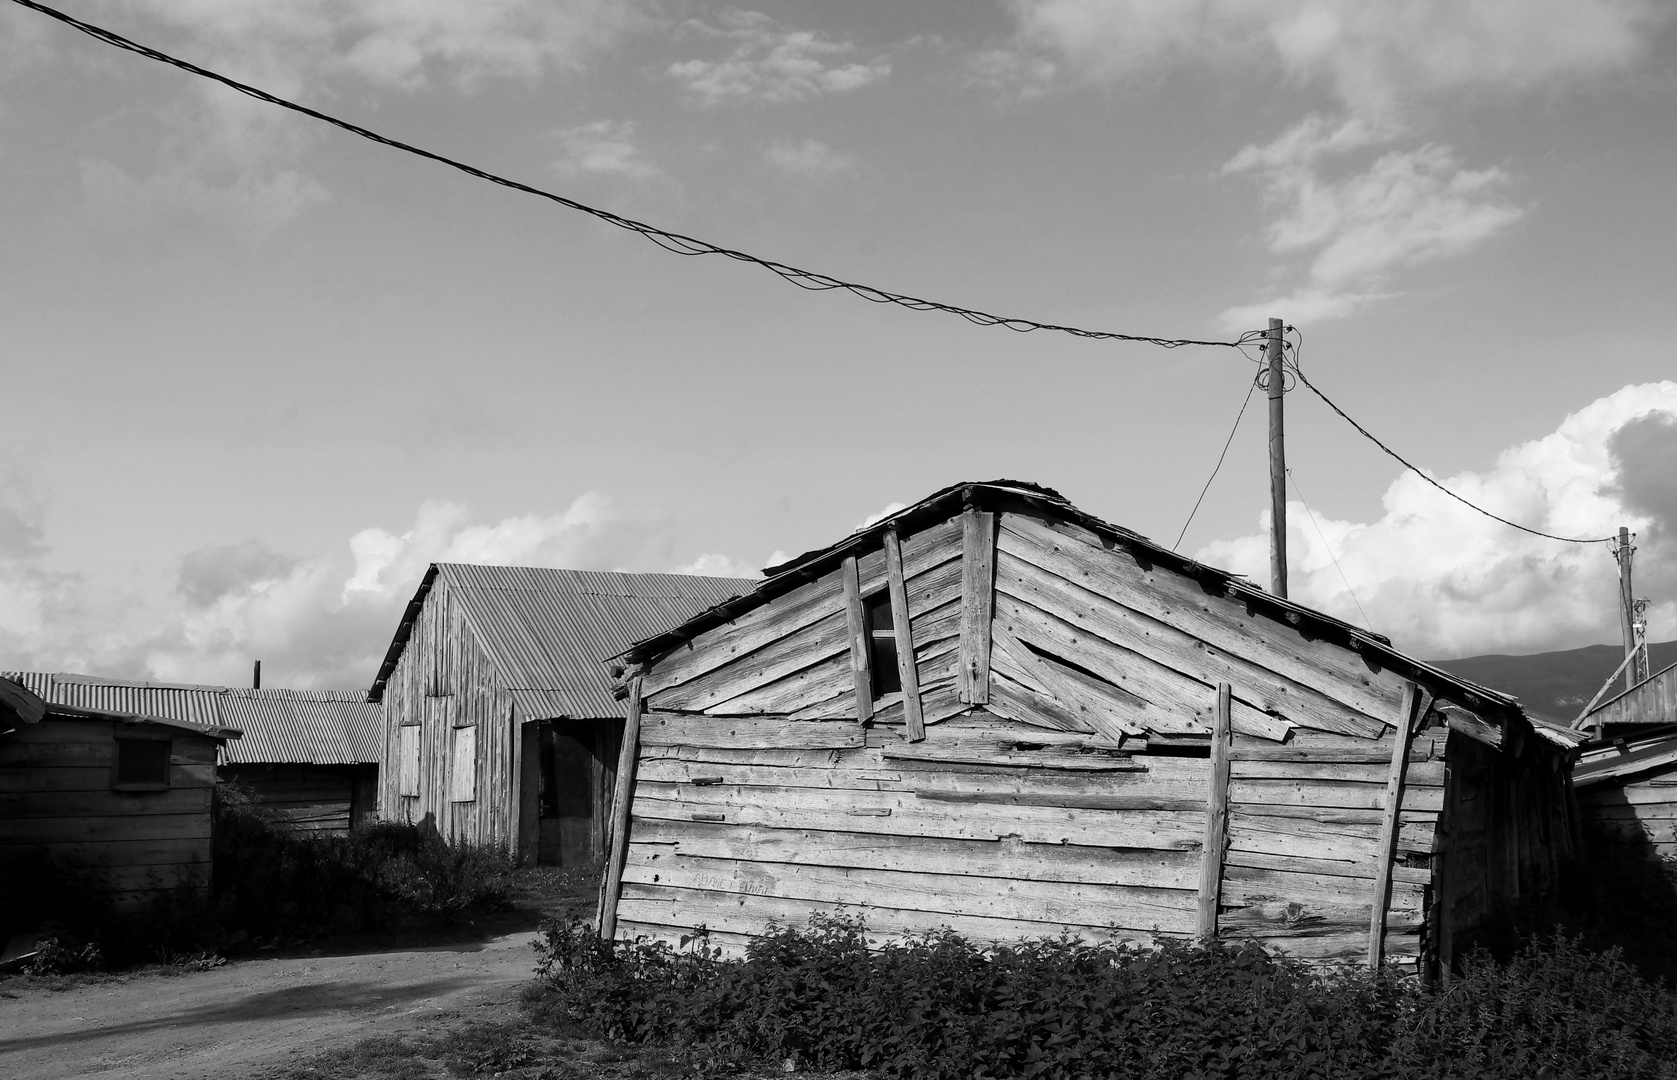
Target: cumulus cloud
[603, 148]
[1349, 227]
[807, 159]
[1404, 208]
[770, 63]
[319, 620]
[1373, 57]
[874, 519]
[233, 162]
[1442, 580]
[714, 564]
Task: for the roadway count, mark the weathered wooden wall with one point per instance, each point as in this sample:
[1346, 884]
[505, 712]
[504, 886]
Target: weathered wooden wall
[1627, 792]
[311, 798]
[1072, 796]
[442, 682]
[56, 804]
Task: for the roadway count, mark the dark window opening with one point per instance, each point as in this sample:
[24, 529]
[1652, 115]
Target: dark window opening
[882, 645]
[142, 763]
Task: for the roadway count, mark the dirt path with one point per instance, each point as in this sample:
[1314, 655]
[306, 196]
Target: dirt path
[239, 1019]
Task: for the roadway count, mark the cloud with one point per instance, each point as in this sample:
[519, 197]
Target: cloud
[603, 148]
[713, 564]
[1374, 57]
[770, 64]
[1444, 581]
[316, 620]
[874, 519]
[1405, 208]
[807, 159]
[233, 162]
[1378, 61]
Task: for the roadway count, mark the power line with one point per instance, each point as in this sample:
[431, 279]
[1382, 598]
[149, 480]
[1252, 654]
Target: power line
[1401, 460]
[1226, 443]
[675, 242]
[1329, 548]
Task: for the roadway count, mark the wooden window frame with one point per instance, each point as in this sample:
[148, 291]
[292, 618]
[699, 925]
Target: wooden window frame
[419, 761]
[878, 670]
[462, 783]
[120, 737]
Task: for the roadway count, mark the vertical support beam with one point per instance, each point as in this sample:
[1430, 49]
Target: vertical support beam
[1216, 816]
[1627, 605]
[906, 668]
[623, 794]
[861, 676]
[515, 782]
[978, 594]
[1416, 702]
[1277, 464]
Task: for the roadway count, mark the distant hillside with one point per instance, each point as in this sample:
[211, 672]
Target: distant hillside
[1555, 684]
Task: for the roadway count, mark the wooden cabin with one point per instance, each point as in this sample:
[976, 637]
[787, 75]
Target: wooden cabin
[109, 805]
[310, 757]
[1626, 776]
[996, 713]
[499, 722]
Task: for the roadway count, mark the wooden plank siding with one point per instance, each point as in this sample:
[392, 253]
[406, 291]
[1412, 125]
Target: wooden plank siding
[1068, 690]
[323, 799]
[444, 680]
[59, 815]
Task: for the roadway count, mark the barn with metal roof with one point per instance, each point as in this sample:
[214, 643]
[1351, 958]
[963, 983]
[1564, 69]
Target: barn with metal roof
[499, 722]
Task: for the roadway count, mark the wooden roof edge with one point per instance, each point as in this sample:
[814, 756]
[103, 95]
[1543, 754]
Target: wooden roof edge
[784, 577]
[404, 631]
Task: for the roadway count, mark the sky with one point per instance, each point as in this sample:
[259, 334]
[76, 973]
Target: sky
[256, 373]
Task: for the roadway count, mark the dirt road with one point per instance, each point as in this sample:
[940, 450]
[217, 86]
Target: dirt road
[249, 1015]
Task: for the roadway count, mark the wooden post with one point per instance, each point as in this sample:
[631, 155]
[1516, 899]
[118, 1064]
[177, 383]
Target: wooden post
[1277, 465]
[906, 668]
[623, 794]
[1416, 702]
[1216, 816]
[861, 676]
[1627, 605]
[978, 588]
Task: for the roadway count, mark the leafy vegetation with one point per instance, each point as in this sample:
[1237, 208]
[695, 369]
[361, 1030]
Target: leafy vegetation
[940, 1007]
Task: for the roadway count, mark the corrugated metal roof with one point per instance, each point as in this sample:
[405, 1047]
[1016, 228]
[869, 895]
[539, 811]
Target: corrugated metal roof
[548, 632]
[320, 727]
[74, 704]
[297, 726]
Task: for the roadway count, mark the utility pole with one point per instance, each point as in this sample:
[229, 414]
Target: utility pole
[1627, 605]
[1277, 467]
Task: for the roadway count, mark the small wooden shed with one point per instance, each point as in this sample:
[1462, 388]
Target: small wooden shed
[309, 756]
[1626, 776]
[113, 804]
[996, 713]
[499, 725]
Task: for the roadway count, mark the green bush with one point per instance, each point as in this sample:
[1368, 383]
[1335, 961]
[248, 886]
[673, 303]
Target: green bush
[939, 1007]
[272, 882]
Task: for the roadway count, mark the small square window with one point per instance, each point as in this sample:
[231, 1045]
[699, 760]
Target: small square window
[141, 764]
[882, 645]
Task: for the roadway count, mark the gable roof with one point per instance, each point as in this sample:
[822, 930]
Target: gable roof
[1034, 498]
[548, 632]
[316, 727]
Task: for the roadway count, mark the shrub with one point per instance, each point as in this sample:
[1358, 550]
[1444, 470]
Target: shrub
[937, 1006]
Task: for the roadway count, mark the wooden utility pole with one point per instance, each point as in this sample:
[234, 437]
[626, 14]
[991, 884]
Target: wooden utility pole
[1627, 605]
[1277, 467]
